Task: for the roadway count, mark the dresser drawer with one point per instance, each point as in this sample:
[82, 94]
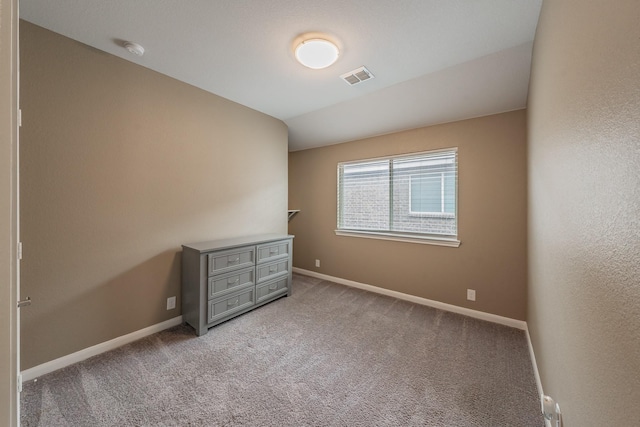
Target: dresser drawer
[233, 259]
[273, 251]
[272, 289]
[227, 306]
[225, 283]
[271, 271]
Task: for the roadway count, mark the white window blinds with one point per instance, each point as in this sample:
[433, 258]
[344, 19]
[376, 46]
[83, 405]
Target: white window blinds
[412, 194]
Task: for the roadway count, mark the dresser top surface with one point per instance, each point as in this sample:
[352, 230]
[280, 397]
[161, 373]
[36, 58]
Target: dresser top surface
[216, 245]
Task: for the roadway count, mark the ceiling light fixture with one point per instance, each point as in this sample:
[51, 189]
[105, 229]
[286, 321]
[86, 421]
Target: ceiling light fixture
[317, 53]
[134, 48]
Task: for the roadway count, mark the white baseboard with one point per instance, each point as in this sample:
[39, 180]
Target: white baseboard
[514, 323]
[536, 373]
[78, 356]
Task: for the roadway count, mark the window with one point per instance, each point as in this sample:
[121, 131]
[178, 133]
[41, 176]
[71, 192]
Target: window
[410, 197]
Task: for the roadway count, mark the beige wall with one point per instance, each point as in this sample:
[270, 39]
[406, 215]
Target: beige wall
[8, 212]
[120, 166]
[584, 209]
[492, 217]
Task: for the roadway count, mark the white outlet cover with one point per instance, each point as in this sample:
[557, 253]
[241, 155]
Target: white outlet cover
[317, 263]
[471, 294]
[171, 303]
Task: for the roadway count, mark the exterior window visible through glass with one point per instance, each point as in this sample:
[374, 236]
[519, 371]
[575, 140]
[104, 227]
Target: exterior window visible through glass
[414, 195]
[433, 194]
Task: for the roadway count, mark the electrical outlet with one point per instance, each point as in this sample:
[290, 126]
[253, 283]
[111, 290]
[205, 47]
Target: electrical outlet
[171, 303]
[471, 294]
[318, 263]
[551, 411]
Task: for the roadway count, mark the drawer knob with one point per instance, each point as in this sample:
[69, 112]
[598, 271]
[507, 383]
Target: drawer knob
[272, 269]
[233, 282]
[235, 260]
[232, 303]
[273, 251]
[273, 287]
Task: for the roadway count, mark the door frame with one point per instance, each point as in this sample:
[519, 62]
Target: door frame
[9, 215]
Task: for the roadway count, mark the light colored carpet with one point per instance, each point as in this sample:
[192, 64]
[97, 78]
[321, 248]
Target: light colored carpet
[328, 355]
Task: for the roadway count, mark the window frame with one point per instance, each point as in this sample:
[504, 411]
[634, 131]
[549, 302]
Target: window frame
[402, 236]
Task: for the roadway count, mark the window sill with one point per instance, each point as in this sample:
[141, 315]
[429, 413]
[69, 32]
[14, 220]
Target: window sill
[452, 243]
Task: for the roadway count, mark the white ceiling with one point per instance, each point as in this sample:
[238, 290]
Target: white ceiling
[434, 61]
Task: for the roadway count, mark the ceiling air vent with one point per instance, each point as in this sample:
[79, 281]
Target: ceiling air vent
[357, 76]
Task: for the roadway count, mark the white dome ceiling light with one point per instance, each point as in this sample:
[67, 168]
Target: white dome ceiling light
[134, 48]
[317, 53]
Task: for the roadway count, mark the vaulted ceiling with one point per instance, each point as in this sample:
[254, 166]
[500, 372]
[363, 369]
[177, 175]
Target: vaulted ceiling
[434, 61]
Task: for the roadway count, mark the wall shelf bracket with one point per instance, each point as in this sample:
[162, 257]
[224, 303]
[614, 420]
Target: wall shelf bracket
[292, 213]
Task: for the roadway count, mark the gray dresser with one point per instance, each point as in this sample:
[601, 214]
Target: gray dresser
[222, 279]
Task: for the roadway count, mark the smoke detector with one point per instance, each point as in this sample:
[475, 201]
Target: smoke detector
[356, 76]
[134, 48]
